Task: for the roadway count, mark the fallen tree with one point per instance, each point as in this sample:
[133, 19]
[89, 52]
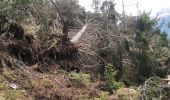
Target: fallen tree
[79, 34]
[25, 48]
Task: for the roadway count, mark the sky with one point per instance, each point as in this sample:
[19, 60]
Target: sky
[155, 6]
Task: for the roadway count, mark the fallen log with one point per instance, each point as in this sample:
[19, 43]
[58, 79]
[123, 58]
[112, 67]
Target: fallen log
[76, 38]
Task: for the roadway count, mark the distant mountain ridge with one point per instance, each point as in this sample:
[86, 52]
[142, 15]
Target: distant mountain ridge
[164, 20]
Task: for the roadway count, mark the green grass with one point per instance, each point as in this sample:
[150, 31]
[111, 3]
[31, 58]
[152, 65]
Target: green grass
[79, 79]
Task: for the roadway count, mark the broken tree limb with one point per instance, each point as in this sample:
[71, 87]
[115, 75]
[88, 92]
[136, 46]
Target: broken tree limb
[79, 34]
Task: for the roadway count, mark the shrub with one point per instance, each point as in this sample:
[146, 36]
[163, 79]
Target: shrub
[153, 88]
[12, 94]
[79, 79]
[111, 83]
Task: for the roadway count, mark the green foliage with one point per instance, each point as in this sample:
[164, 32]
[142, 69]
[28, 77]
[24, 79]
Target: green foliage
[79, 79]
[71, 11]
[22, 2]
[96, 5]
[163, 39]
[144, 22]
[108, 9]
[9, 93]
[110, 75]
[15, 9]
[144, 63]
[107, 23]
[9, 74]
[147, 47]
[103, 96]
[121, 49]
[152, 89]
[61, 71]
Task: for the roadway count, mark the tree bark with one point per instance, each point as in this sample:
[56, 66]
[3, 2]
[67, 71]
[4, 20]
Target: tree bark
[79, 34]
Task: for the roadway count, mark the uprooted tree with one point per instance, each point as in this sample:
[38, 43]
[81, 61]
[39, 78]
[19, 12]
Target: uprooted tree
[43, 35]
[24, 47]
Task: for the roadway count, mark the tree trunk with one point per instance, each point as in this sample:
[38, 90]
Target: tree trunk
[79, 34]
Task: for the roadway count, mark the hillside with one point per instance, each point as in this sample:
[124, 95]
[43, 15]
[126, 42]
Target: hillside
[55, 50]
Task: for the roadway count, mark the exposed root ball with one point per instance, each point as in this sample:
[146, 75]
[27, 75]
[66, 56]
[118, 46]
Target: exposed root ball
[24, 54]
[25, 48]
[29, 38]
[16, 30]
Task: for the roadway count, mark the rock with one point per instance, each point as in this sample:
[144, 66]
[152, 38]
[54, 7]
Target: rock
[13, 86]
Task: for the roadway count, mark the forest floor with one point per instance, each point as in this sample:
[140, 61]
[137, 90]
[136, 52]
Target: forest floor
[55, 85]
